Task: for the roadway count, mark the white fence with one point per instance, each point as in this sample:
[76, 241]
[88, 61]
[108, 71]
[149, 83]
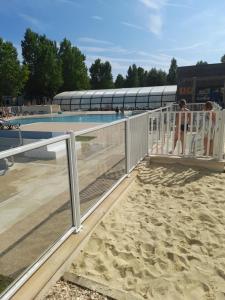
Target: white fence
[190, 133]
[61, 193]
[54, 196]
[137, 139]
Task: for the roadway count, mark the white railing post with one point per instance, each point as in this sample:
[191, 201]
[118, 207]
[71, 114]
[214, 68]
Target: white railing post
[127, 144]
[148, 133]
[220, 131]
[74, 182]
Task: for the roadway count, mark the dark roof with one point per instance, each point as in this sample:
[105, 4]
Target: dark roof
[204, 70]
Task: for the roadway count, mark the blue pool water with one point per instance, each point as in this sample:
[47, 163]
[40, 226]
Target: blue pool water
[74, 118]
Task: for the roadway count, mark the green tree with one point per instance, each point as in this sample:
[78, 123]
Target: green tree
[152, 78]
[201, 62]
[142, 77]
[223, 59]
[132, 79]
[41, 57]
[13, 76]
[120, 81]
[172, 75]
[101, 75]
[74, 70]
[162, 77]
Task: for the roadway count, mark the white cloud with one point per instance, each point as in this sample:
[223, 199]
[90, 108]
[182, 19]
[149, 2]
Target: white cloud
[155, 24]
[154, 4]
[132, 25]
[155, 21]
[92, 49]
[185, 48]
[132, 60]
[159, 4]
[116, 49]
[98, 18]
[94, 41]
[35, 22]
[155, 8]
[180, 5]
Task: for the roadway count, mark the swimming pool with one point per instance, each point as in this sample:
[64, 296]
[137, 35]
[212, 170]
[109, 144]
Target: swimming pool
[74, 118]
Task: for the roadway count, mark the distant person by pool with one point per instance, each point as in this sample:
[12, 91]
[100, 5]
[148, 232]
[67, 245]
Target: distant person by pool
[122, 110]
[117, 110]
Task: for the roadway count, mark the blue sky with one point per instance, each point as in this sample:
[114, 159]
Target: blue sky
[146, 32]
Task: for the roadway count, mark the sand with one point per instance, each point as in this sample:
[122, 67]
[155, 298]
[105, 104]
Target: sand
[165, 239]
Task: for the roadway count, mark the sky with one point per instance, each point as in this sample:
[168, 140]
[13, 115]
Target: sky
[145, 32]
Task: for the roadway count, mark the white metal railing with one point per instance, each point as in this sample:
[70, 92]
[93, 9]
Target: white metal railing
[137, 127]
[134, 148]
[153, 132]
[196, 106]
[189, 133]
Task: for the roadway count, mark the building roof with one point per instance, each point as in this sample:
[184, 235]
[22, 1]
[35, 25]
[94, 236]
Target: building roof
[140, 91]
[202, 70]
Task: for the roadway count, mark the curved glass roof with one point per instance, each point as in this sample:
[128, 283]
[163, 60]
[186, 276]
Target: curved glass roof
[128, 98]
[141, 91]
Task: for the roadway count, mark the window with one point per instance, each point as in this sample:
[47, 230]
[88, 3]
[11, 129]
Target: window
[107, 100]
[143, 99]
[130, 99]
[75, 101]
[75, 107]
[118, 100]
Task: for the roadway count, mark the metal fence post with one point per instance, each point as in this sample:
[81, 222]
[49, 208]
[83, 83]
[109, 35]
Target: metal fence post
[74, 182]
[148, 133]
[221, 135]
[127, 145]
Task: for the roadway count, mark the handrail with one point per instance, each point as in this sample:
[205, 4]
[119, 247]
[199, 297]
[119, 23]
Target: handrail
[88, 130]
[32, 146]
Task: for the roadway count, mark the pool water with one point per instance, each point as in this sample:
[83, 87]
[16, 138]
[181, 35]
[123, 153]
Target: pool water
[74, 118]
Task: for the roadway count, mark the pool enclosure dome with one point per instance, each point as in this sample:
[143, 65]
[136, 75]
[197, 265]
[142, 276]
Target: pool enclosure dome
[128, 98]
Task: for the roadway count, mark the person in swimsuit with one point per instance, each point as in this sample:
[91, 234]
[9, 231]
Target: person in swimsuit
[180, 124]
[209, 131]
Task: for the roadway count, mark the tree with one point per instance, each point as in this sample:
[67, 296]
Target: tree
[142, 77]
[172, 75]
[161, 78]
[41, 57]
[132, 79]
[74, 70]
[156, 77]
[152, 78]
[201, 62]
[223, 59]
[101, 75]
[120, 81]
[12, 75]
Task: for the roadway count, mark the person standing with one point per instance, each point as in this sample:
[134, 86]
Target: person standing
[180, 125]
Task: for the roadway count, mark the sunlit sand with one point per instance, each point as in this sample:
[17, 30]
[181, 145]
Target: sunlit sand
[164, 239]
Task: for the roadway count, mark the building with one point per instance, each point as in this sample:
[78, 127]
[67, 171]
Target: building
[127, 98]
[201, 83]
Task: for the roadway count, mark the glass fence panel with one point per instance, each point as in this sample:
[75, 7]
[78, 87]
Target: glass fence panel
[35, 208]
[101, 162]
